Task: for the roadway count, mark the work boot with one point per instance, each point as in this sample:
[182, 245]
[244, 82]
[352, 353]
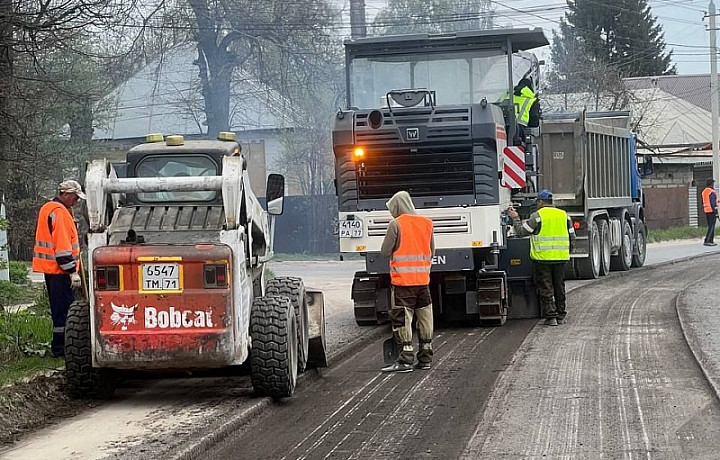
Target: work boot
[423, 365]
[710, 244]
[551, 322]
[400, 368]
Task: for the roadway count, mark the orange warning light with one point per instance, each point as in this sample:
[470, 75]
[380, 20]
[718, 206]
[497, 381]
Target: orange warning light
[358, 153]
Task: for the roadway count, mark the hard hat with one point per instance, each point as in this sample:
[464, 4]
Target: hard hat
[545, 195]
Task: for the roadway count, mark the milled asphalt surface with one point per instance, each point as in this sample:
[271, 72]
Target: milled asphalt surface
[698, 307]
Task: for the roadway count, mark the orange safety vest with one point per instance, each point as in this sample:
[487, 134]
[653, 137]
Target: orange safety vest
[410, 263]
[707, 206]
[57, 247]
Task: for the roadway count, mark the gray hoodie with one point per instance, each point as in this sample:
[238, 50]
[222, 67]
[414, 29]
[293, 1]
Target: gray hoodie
[399, 204]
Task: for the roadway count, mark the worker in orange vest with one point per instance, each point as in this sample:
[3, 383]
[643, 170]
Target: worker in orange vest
[410, 246]
[57, 255]
[710, 208]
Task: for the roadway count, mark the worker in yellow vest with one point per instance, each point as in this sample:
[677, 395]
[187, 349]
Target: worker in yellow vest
[410, 246]
[551, 235]
[710, 208]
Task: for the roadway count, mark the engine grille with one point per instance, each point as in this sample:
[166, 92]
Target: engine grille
[442, 225]
[440, 163]
[421, 171]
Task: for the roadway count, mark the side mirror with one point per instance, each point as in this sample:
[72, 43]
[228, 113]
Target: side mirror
[646, 166]
[275, 193]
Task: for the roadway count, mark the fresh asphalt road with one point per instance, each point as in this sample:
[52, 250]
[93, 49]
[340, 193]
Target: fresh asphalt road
[616, 381]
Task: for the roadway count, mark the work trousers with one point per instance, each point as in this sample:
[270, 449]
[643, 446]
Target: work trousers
[409, 301]
[710, 235]
[550, 284]
[61, 295]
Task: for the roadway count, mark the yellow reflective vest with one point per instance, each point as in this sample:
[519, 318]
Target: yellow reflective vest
[522, 104]
[552, 243]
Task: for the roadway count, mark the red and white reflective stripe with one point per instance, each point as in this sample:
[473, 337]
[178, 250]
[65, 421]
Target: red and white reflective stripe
[500, 133]
[514, 167]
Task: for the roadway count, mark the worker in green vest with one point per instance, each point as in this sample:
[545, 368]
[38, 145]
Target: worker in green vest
[551, 235]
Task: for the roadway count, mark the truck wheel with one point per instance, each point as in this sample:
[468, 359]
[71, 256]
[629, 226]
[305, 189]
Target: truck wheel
[638, 260]
[623, 260]
[605, 246]
[83, 380]
[589, 267]
[274, 353]
[294, 289]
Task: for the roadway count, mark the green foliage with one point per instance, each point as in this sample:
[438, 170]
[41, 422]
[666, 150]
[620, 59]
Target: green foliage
[676, 233]
[27, 367]
[433, 16]
[18, 272]
[10, 293]
[599, 43]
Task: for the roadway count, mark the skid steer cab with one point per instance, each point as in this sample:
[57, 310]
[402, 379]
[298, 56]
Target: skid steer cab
[177, 254]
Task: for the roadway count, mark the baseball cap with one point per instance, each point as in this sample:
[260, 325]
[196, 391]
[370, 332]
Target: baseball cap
[72, 186]
[544, 195]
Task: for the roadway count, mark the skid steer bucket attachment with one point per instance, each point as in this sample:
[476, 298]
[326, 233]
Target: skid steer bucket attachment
[317, 351]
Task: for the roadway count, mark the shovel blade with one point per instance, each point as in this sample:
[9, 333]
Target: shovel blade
[390, 351]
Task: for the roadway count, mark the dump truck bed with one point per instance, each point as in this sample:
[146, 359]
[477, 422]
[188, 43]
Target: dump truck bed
[588, 159]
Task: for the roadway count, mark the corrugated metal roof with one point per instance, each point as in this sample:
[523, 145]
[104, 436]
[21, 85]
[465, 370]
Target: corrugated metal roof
[165, 97]
[694, 89]
[662, 119]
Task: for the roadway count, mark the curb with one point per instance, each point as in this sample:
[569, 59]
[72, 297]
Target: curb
[201, 447]
[692, 342]
[214, 437]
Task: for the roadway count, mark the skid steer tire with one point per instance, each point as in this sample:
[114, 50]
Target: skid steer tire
[273, 357]
[294, 290]
[83, 381]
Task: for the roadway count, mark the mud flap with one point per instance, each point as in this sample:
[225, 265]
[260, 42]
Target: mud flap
[390, 351]
[317, 350]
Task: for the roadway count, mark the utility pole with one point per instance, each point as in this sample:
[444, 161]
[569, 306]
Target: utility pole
[358, 28]
[714, 94]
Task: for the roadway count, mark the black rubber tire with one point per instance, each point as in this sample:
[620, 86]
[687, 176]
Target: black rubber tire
[605, 247]
[589, 267]
[294, 289]
[273, 357]
[83, 381]
[638, 260]
[623, 260]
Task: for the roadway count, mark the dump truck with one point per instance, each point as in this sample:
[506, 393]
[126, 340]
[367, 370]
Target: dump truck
[588, 160]
[431, 115]
[177, 256]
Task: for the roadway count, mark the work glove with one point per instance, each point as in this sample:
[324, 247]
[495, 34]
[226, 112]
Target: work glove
[75, 280]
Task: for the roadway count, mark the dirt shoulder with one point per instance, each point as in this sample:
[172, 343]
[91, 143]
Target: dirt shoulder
[30, 405]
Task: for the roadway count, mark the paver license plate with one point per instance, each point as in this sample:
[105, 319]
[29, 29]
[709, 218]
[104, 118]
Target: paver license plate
[161, 277]
[351, 229]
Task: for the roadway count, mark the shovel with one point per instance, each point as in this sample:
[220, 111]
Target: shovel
[391, 351]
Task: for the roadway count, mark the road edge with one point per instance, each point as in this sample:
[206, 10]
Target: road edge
[692, 340]
[217, 435]
[196, 450]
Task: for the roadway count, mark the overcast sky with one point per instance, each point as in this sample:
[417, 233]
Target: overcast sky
[685, 29]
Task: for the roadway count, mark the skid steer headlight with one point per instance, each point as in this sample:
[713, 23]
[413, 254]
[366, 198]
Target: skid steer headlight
[107, 278]
[215, 275]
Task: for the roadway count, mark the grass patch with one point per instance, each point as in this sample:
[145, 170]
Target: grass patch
[11, 293]
[25, 335]
[27, 367]
[676, 233]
